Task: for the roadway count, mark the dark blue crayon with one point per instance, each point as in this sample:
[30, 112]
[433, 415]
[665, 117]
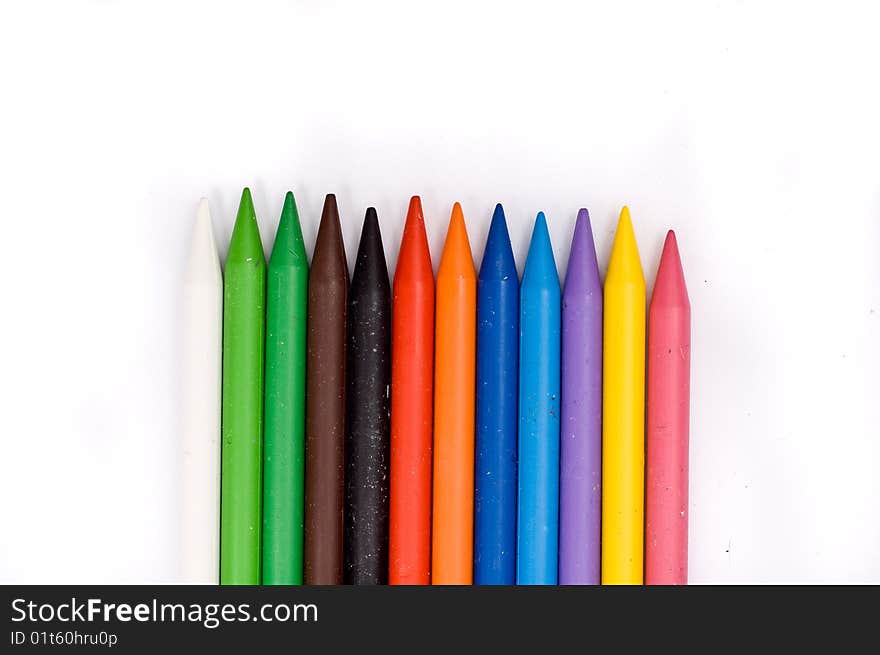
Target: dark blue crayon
[496, 415]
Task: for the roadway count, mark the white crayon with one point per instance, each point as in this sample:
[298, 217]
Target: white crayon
[202, 305]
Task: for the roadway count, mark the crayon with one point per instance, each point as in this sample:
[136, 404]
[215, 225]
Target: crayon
[325, 403]
[244, 298]
[412, 404]
[496, 409]
[202, 352]
[669, 368]
[455, 339]
[539, 347]
[367, 419]
[580, 467]
[623, 411]
[287, 276]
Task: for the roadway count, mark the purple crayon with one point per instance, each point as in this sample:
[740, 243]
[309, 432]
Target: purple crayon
[580, 483]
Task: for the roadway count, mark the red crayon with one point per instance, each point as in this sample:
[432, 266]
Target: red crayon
[669, 369]
[412, 397]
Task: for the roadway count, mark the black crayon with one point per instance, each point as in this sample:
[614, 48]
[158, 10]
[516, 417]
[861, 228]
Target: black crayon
[367, 424]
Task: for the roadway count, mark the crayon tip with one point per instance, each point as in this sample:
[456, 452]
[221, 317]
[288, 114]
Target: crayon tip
[204, 227]
[540, 267]
[457, 215]
[245, 244]
[371, 220]
[370, 270]
[328, 258]
[498, 262]
[414, 257]
[624, 264]
[670, 287]
[457, 258]
[289, 248]
[329, 228]
[204, 211]
[370, 247]
[247, 202]
[671, 244]
[540, 229]
[203, 262]
[583, 266]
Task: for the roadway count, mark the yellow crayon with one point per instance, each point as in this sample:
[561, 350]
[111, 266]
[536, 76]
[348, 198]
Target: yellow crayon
[623, 408]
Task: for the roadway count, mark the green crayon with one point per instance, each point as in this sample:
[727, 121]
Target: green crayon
[284, 437]
[244, 298]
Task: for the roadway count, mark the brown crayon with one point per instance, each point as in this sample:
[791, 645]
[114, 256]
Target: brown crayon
[325, 402]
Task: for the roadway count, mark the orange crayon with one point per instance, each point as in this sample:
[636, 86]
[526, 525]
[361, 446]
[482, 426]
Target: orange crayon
[412, 386]
[455, 357]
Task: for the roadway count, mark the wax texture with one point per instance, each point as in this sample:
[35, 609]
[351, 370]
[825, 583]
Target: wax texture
[284, 436]
[201, 390]
[325, 403]
[539, 398]
[623, 411]
[580, 468]
[367, 424]
[455, 339]
[244, 298]
[669, 367]
[412, 386]
[497, 372]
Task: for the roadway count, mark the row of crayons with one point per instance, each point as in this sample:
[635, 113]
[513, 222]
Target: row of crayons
[487, 430]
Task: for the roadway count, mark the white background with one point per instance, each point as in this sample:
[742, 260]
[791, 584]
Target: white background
[752, 128]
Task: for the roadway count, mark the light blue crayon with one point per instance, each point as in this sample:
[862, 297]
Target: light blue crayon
[539, 365]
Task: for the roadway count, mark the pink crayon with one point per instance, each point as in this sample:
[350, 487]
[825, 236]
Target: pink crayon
[669, 368]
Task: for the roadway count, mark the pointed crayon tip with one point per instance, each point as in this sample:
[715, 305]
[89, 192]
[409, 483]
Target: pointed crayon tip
[330, 210]
[457, 258]
[370, 270]
[371, 221]
[540, 265]
[204, 228]
[329, 230]
[498, 261]
[625, 219]
[245, 244]
[370, 245]
[289, 248]
[415, 209]
[203, 263]
[328, 258]
[247, 202]
[414, 256]
[670, 287]
[624, 264]
[670, 245]
[203, 217]
[457, 218]
[289, 205]
[583, 266]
